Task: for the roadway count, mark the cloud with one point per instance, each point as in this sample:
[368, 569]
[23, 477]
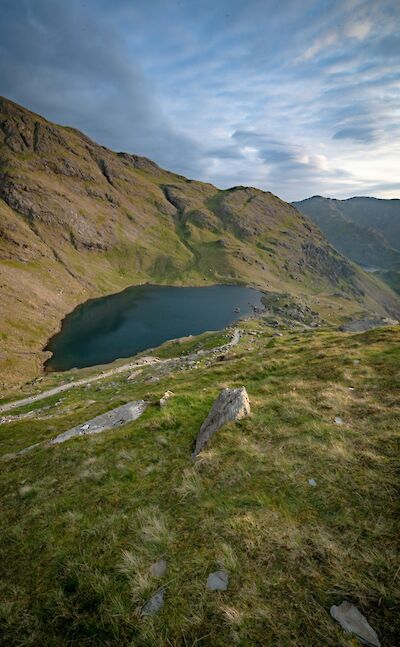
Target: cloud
[67, 62]
[358, 30]
[361, 134]
[281, 95]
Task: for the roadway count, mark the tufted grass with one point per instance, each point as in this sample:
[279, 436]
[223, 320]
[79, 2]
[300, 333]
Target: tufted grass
[83, 522]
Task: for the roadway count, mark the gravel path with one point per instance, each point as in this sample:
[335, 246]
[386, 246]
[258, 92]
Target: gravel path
[146, 361]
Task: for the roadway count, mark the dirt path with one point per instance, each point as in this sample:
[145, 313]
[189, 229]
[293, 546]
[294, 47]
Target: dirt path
[144, 361]
[70, 385]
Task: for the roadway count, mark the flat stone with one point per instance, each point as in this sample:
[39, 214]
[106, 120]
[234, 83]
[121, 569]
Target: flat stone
[158, 568]
[338, 420]
[352, 620]
[218, 581]
[312, 482]
[110, 420]
[231, 404]
[154, 604]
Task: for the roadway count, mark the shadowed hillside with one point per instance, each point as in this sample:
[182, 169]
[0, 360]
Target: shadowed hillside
[367, 230]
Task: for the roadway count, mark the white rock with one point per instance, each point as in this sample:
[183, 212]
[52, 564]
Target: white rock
[350, 618]
[231, 404]
[338, 420]
[167, 395]
[312, 482]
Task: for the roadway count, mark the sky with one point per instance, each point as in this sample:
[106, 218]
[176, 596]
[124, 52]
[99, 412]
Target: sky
[297, 97]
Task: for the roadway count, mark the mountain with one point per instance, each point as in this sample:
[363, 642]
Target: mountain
[367, 230]
[78, 220]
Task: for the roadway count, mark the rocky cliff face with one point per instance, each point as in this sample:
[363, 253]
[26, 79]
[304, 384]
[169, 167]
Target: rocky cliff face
[78, 220]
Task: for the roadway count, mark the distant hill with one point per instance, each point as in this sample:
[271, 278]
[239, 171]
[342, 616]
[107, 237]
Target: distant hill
[78, 220]
[367, 230]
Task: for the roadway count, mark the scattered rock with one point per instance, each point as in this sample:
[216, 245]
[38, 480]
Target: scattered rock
[231, 404]
[158, 568]
[135, 374]
[218, 581]
[151, 379]
[167, 395]
[154, 604]
[312, 482]
[352, 620]
[338, 420]
[148, 359]
[356, 362]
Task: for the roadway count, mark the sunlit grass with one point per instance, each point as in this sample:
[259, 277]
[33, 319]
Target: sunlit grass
[83, 522]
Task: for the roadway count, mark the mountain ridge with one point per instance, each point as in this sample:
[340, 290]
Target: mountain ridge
[365, 229]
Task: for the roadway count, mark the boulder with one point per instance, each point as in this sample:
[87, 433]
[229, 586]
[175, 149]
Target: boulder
[352, 620]
[231, 404]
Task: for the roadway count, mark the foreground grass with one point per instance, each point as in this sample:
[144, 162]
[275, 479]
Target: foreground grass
[82, 522]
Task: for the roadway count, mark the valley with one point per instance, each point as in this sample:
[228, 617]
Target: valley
[80, 221]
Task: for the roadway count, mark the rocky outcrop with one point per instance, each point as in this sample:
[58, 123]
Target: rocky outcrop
[231, 404]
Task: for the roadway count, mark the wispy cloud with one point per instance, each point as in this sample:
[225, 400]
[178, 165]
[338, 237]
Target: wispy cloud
[297, 98]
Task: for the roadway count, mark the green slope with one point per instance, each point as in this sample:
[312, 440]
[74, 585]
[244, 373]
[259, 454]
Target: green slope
[83, 522]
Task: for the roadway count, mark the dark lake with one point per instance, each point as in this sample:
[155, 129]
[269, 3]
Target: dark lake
[121, 325]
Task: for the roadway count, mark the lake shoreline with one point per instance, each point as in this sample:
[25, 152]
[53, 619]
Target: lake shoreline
[113, 312]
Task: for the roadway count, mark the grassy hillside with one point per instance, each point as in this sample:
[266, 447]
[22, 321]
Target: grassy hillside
[367, 230]
[83, 522]
[78, 221]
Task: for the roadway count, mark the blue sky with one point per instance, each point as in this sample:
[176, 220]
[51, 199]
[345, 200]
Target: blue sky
[298, 97]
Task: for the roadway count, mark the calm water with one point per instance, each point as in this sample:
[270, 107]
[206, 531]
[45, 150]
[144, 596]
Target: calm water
[123, 324]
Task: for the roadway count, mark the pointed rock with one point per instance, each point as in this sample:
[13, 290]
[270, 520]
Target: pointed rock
[231, 404]
[352, 620]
